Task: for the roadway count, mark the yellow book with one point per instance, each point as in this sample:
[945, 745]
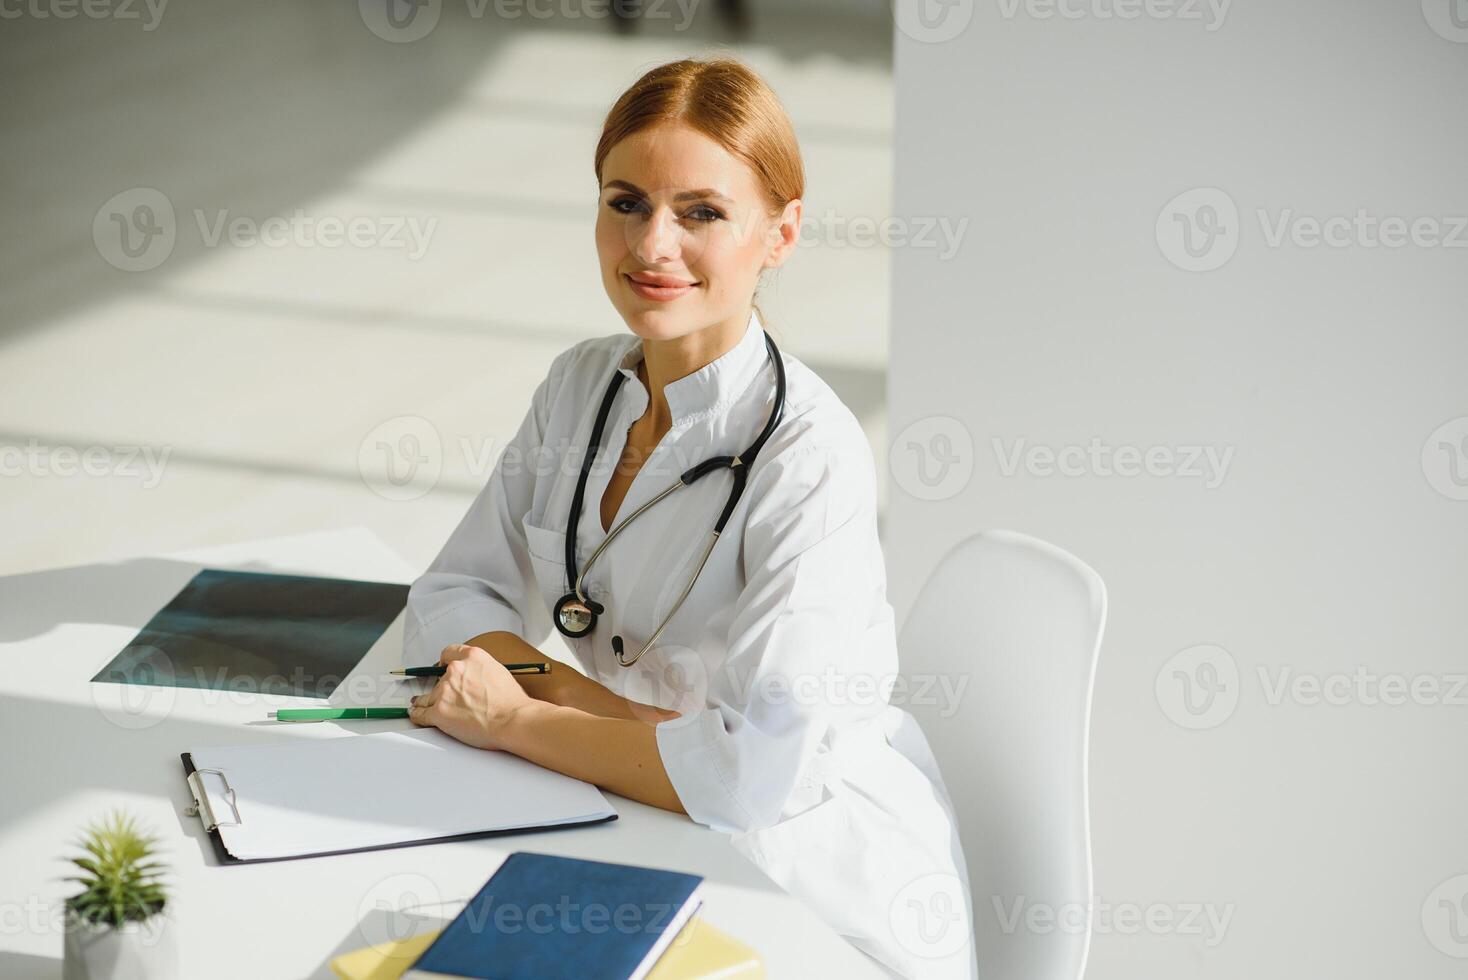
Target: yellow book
[383, 961]
[701, 952]
[698, 952]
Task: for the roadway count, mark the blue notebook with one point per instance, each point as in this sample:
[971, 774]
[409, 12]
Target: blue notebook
[541, 917]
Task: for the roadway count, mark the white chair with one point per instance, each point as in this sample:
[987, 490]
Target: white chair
[1022, 619]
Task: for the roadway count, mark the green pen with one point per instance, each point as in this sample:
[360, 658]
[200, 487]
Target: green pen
[436, 670]
[337, 714]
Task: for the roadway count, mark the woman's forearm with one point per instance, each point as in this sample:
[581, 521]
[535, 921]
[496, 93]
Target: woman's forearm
[564, 685]
[617, 754]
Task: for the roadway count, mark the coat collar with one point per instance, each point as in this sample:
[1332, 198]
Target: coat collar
[712, 387]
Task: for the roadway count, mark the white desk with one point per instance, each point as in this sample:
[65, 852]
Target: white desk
[73, 749]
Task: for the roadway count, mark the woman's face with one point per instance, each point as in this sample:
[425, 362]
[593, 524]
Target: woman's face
[682, 233]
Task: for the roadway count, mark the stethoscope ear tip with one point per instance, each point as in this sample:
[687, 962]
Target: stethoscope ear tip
[621, 653]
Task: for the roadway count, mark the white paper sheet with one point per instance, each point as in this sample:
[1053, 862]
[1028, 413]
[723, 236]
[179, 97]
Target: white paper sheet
[312, 795]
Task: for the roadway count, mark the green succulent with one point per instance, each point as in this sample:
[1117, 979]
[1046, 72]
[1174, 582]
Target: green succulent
[122, 883]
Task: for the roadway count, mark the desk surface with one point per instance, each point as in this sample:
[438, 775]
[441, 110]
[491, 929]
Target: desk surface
[75, 749]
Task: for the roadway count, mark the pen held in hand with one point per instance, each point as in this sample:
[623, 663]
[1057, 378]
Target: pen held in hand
[436, 670]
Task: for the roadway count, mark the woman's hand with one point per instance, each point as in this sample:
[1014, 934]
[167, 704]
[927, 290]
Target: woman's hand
[508, 648]
[474, 701]
[565, 685]
[480, 703]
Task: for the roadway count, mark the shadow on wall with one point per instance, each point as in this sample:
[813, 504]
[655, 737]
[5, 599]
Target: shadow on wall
[257, 109]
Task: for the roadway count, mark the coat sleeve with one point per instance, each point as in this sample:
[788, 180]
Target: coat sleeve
[801, 633]
[482, 580]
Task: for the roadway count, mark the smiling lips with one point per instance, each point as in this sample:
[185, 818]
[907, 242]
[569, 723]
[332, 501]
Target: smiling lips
[655, 286]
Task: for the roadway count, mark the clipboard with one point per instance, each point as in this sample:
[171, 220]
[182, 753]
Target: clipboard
[235, 811]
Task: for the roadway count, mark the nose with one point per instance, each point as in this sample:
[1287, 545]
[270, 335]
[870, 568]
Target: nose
[658, 239]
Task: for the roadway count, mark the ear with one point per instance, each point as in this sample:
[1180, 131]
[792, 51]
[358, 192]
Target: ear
[784, 235]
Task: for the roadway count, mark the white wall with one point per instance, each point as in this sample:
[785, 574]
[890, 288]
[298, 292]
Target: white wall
[1335, 539]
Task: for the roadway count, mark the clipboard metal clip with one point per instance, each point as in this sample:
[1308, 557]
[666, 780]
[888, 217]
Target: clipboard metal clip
[201, 803]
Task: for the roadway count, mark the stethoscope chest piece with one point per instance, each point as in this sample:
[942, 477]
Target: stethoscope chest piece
[575, 618]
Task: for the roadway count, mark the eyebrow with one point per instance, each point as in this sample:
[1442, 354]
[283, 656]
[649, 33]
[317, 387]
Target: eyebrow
[703, 192]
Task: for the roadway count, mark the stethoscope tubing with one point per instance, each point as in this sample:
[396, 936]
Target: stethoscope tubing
[612, 534]
[738, 465]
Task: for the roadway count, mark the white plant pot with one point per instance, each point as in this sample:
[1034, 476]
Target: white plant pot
[137, 949]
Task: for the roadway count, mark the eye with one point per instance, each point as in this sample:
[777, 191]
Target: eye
[616, 204]
[705, 214]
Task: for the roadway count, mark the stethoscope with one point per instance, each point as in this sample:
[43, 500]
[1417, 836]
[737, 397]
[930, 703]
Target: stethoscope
[576, 613]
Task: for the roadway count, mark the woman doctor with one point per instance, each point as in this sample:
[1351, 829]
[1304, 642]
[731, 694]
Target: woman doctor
[741, 677]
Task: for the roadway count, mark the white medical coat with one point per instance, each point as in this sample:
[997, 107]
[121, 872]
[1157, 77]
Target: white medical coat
[781, 657]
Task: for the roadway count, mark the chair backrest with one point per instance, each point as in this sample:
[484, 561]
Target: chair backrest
[1019, 622]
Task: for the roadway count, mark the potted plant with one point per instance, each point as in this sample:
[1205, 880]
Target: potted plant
[116, 927]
